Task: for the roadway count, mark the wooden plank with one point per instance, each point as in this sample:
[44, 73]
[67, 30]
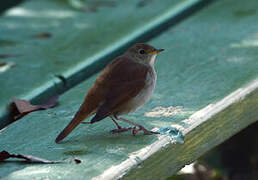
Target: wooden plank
[206, 88]
[208, 127]
[42, 39]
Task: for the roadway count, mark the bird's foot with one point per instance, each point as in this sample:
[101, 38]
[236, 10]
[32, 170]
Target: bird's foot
[120, 130]
[145, 131]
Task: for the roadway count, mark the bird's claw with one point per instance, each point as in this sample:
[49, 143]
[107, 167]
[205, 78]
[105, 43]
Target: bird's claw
[120, 130]
[135, 130]
[145, 131]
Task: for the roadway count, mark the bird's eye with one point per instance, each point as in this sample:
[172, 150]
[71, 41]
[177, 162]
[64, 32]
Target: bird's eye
[142, 51]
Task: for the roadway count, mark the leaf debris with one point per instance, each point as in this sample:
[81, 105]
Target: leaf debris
[25, 107]
[28, 158]
[77, 161]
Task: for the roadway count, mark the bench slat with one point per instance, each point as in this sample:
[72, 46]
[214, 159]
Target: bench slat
[206, 87]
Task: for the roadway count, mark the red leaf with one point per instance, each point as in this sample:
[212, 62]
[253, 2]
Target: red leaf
[50, 103]
[24, 107]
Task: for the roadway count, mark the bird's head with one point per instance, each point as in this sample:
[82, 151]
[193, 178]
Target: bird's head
[143, 53]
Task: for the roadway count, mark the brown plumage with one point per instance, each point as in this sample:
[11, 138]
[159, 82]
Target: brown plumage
[116, 88]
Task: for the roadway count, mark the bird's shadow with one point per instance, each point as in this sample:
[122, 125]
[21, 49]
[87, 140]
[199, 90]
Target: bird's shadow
[107, 137]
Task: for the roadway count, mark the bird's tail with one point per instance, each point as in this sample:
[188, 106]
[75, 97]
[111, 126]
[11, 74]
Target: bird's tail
[81, 114]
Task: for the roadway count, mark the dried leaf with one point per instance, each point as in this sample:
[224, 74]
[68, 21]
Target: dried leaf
[2, 64]
[77, 161]
[52, 102]
[28, 158]
[42, 35]
[24, 107]
[4, 155]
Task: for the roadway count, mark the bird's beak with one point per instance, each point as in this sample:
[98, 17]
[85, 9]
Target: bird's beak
[156, 51]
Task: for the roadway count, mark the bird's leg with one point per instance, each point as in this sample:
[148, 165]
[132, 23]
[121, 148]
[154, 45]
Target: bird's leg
[119, 128]
[85, 122]
[140, 127]
[113, 119]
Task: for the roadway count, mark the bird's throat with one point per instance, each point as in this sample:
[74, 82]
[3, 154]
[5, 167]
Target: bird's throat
[152, 61]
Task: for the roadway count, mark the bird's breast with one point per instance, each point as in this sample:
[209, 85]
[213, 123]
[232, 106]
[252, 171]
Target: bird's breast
[143, 96]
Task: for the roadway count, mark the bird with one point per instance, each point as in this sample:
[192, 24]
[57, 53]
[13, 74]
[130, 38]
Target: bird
[123, 86]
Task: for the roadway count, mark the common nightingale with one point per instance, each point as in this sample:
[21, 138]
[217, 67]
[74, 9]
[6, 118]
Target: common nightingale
[124, 85]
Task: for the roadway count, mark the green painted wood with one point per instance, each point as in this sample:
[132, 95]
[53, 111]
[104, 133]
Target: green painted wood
[208, 57]
[77, 43]
[198, 140]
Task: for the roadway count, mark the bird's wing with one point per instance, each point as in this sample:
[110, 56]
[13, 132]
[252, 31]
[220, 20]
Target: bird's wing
[127, 79]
